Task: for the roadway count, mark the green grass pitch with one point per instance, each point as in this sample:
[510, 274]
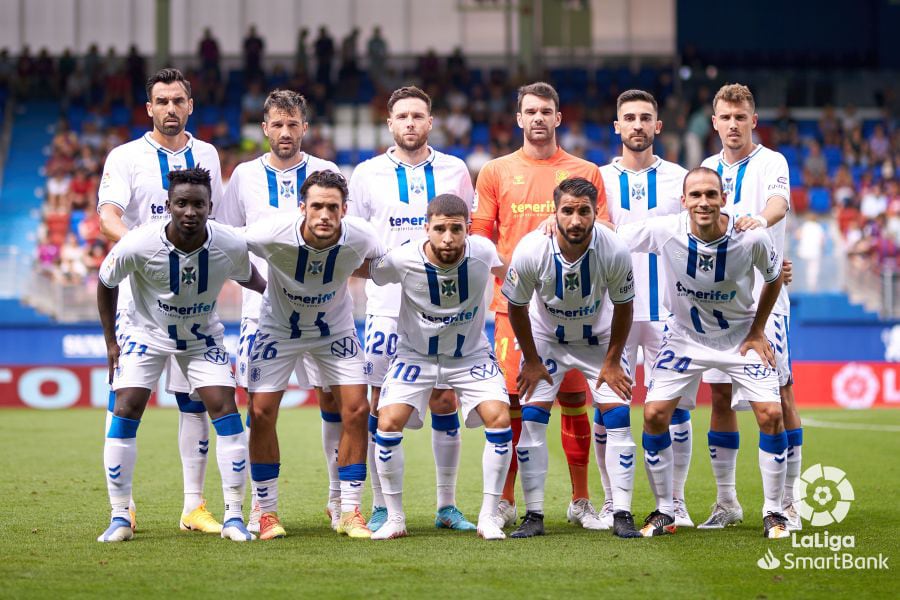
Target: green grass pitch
[54, 506]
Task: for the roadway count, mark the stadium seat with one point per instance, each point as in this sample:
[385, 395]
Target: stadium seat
[799, 199]
[820, 200]
[481, 134]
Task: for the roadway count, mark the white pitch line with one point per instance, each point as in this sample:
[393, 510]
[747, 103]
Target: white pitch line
[852, 426]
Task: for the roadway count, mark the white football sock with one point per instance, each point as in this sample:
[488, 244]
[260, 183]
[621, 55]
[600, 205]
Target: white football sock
[232, 457]
[390, 462]
[495, 462]
[620, 452]
[682, 446]
[723, 451]
[600, 453]
[446, 443]
[533, 458]
[119, 458]
[331, 439]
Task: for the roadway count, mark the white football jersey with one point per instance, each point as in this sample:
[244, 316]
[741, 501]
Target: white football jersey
[257, 189]
[748, 185]
[633, 196]
[441, 310]
[307, 293]
[135, 177]
[175, 293]
[568, 301]
[393, 197]
[710, 284]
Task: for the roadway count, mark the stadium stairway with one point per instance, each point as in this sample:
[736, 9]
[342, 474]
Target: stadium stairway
[23, 182]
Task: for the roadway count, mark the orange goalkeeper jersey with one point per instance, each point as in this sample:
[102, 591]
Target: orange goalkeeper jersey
[515, 194]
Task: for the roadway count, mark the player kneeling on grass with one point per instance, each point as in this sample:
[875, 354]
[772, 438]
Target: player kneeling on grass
[307, 310]
[176, 271]
[442, 342]
[557, 287]
[714, 325]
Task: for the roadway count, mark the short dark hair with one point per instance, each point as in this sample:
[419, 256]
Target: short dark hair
[578, 187]
[288, 101]
[701, 170]
[540, 89]
[168, 75]
[409, 91]
[447, 205]
[325, 179]
[193, 176]
[636, 96]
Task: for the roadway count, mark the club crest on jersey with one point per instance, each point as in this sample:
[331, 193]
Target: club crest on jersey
[727, 185]
[188, 275]
[417, 185]
[345, 347]
[560, 176]
[448, 288]
[706, 263]
[287, 188]
[571, 281]
[315, 267]
[638, 192]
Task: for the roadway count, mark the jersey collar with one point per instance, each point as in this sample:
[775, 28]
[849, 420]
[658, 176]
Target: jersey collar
[743, 160]
[554, 244]
[390, 154]
[264, 159]
[341, 239]
[729, 230]
[188, 145]
[617, 165]
[466, 253]
[172, 248]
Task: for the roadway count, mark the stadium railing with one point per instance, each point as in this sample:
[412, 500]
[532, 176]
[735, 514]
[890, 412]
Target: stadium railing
[15, 265]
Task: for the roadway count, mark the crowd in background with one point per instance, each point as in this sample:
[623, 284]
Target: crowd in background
[845, 190]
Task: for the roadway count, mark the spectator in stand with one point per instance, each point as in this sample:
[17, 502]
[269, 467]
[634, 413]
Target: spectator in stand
[574, 139]
[829, 126]
[457, 72]
[783, 126]
[93, 258]
[810, 238]
[7, 68]
[874, 201]
[89, 228]
[136, 67]
[82, 192]
[254, 47]
[24, 73]
[376, 54]
[843, 188]
[301, 53]
[58, 185]
[209, 53]
[72, 268]
[47, 253]
[251, 104]
[879, 145]
[324, 51]
[458, 125]
[477, 159]
[45, 75]
[850, 119]
[429, 68]
[815, 169]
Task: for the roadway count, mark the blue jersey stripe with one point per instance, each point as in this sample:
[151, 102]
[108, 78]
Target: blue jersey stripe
[174, 275]
[433, 288]
[463, 275]
[433, 345]
[651, 189]
[561, 334]
[324, 329]
[301, 177]
[402, 185]
[163, 167]
[173, 335]
[460, 340]
[429, 181]
[720, 168]
[203, 277]
[721, 253]
[328, 276]
[692, 257]
[189, 158]
[588, 334]
[624, 191]
[654, 288]
[740, 179]
[294, 321]
[585, 272]
[695, 319]
[302, 259]
[559, 276]
[272, 182]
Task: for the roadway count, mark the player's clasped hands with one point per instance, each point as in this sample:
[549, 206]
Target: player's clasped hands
[756, 340]
[617, 379]
[529, 376]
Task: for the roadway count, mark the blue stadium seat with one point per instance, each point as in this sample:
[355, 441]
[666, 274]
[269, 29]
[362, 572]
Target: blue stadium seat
[119, 115]
[808, 129]
[595, 133]
[481, 134]
[833, 156]
[345, 157]
[791, 154]
[819, 200]
[597, 156]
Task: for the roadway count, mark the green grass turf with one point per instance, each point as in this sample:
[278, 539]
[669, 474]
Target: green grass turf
[54, 506]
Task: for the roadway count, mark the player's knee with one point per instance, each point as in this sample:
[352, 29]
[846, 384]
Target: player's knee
[263, 413]
[442, 402]
[355, 414]
[655, 416]
[129, 405]
[720, 396]
[770, 418]
[571, 398]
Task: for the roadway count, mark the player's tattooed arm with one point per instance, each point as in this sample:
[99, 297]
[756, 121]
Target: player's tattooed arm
[756, 339]
[257, 282]
[612, 372]
[533, 369]
[107, 299]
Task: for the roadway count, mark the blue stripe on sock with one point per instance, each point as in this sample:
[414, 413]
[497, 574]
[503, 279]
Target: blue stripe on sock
[228, 425]
[617, 418]
[724, 439]
[385, 441]
[123, 428]
[264, 471]
[445, 422]
[773, 444]
[330, 417]
[536, 414]
[795, 436]
[499, 437]
[657, 442]
[373, 424]
[598, 416]
[680, 416]
[354, 472]
[186, 405]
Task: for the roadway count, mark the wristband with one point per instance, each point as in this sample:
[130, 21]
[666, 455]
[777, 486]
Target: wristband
[762, 221]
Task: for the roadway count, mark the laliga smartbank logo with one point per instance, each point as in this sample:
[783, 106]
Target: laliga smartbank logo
[822, 497]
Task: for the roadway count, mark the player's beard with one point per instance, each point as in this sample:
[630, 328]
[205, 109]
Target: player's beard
[447, 256]
[579, 236]
[410, 146]
[639, 145]
[284, 154]
[167, 129]
[548, 137]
